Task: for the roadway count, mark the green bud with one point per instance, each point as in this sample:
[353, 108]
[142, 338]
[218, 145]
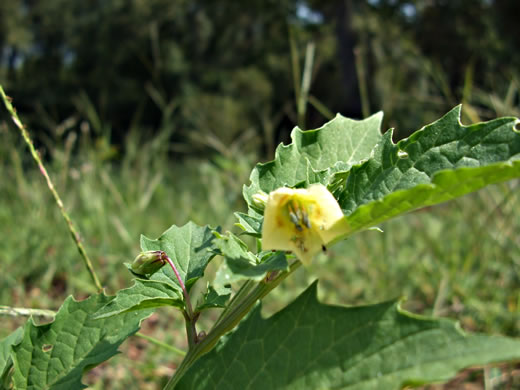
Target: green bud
[149, 262]
[260, 199]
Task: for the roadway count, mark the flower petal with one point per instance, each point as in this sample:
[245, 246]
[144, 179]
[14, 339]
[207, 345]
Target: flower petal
[277, 230]
[306, 247]
[327, 214]
[302, 221]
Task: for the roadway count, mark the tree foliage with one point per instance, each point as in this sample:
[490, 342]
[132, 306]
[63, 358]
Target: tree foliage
[152, 64]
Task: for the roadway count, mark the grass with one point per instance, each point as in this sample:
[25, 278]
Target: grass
[112, 202]
[460, 259]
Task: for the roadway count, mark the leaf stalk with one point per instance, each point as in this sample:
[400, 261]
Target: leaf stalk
[189, 315]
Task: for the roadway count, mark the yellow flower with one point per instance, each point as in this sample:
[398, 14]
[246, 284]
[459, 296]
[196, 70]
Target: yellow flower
[302, 221]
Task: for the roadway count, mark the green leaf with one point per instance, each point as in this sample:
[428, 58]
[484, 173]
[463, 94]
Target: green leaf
[214, 298]
[242, 264]
[190, 247]
[309, 345]
[5, 352]
[144, 294]
[250, 224]
[55, 355]
[314, 155]
[440, 162]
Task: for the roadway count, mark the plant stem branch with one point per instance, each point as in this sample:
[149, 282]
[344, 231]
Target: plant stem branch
[189, 308]
[75, 235]
[161, 344]
[242, 292]
[227, 323]
[189, 315]
[306, 83]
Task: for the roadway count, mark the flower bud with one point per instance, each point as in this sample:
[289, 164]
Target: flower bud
[149, 262]
[260, 200]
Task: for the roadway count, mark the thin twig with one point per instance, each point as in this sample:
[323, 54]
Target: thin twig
[75, 235]
[161, 344]
[24, 311]
[183, 287]
[189, 315]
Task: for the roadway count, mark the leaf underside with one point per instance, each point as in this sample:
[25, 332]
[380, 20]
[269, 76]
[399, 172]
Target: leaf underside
[214, 298]
[55, 355]
[309, 345]
[440, 162]
[144, 294]
[241, 264]
[5, 351]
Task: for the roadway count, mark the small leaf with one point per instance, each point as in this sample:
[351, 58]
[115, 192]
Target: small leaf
[250, 224]
[55, 355]
[214, 298]
[242, 264]
[309, 345]
[190, 247]
[232, 247]
[5, 351]
[144, 294]
[314, 155]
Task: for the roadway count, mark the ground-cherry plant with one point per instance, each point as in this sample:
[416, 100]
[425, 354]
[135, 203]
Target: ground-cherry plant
[325, 186]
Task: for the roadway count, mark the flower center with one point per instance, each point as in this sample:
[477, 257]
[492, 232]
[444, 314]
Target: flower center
[298, 215]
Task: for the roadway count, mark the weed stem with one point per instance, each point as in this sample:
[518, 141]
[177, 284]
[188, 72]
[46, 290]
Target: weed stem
[190, 316]
[75, 235]
[161, 344]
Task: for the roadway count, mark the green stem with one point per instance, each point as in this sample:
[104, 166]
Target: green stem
[191, 329]
[161, 344]
[189, 315]
[227, 323]
[362, 81]
[306, 83]
[242, 292]
[295, 64]
[59, 203]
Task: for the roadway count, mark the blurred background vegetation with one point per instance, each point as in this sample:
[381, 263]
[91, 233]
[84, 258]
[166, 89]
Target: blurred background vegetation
[150, 113]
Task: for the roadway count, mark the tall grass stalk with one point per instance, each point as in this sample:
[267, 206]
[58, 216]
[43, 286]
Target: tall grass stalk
[57, 198]
[6, 310]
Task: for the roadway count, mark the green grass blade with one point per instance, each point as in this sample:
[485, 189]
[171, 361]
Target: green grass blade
[59, 203]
